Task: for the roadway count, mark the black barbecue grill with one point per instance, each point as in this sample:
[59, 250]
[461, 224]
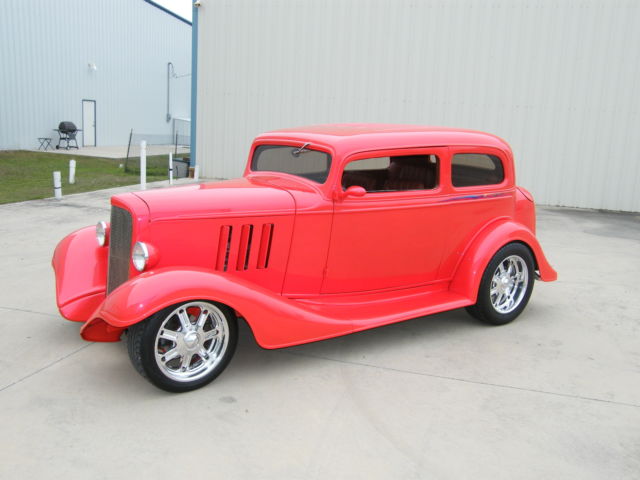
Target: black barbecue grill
[67, 132]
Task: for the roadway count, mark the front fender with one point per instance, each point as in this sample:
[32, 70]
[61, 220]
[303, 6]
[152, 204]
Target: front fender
[468, 275]
[275, 320]
[80, 267]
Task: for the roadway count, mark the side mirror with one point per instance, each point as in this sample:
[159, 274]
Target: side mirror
[354, 191]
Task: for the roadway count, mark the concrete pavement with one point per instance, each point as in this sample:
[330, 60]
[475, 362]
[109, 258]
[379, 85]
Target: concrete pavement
[555, 394]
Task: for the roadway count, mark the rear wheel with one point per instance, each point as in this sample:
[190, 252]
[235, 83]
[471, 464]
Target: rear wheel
[506, 285]
[185, 346]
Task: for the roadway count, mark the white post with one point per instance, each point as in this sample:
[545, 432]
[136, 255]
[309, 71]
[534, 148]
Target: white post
[72, 172]
[57, 185]
[196, 173]
[143, 165]
[170, 168]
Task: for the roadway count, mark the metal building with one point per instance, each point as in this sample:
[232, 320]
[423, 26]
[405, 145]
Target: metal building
[108, 67]
[557, 79]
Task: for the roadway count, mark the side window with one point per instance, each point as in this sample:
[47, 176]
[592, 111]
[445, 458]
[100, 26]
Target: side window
[471, 169]
[389, 174]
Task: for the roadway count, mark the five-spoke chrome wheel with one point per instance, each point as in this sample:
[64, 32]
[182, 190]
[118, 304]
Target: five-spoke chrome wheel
[505, 286]
[509, 284]
[191, 341]
[185, 346]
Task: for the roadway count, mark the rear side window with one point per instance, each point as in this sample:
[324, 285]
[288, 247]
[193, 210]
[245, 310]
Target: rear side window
[303, 162]
[471, 169]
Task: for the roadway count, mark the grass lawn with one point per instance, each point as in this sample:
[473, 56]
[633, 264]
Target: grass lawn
[26, 175]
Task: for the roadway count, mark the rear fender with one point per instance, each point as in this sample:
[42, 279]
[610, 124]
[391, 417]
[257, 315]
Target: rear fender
[275, 320]
[495, 236]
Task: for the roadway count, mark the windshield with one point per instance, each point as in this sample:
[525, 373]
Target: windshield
[301, 161]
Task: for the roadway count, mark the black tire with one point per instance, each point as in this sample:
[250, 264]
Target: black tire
[160, 346]
[494, 286]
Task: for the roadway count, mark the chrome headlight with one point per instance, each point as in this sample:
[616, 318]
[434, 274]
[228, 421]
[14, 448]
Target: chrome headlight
[140, 256]
[102, 233]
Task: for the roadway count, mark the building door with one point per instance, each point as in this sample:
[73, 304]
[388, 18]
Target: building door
[88, 123]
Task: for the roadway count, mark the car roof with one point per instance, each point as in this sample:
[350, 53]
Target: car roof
[348, 138]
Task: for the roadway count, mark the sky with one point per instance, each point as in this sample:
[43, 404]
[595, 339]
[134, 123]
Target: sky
[180, 7]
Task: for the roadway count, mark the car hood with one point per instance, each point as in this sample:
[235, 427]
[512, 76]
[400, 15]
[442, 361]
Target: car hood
[230, 198]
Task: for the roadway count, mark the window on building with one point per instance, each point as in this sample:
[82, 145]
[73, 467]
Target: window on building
[389, 174]
[472, 169]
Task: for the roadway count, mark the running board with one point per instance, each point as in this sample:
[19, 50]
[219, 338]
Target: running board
[374, 310]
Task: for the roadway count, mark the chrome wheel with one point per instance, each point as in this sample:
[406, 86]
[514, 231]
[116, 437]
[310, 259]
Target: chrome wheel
[191, 341]
[509, 284]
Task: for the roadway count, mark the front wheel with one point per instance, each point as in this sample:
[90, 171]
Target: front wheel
[184, 346]
[506, 285]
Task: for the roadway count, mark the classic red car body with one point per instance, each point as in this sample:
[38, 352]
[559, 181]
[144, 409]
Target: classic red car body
[302, 261]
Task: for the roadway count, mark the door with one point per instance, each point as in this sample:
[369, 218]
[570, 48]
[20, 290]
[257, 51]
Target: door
[88, 123]
[392, 237]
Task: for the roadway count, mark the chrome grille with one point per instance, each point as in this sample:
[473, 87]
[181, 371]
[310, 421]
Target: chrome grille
[119, 248]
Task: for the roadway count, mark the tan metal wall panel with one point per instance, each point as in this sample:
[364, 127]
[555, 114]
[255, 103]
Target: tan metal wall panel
[556, 79]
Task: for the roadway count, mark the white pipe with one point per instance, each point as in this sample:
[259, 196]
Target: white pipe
[57, 185]
[170, 168]
[196, 173]
[72, 172]
[143, 165]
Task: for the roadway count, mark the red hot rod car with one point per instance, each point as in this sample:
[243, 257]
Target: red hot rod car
[332, 229]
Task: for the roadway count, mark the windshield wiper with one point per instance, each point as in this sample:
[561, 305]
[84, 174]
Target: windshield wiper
[298, 151]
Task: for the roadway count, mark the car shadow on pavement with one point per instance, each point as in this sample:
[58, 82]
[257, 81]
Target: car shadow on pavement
[414, 334]
[410, 342]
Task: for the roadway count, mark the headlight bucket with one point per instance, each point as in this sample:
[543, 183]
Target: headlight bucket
[102, 233]
[140, 256]
[143, 256]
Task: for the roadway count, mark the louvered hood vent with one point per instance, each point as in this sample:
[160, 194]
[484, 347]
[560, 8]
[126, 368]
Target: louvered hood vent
[237, 243]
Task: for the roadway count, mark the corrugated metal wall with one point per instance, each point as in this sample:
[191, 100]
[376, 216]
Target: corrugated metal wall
[46, 47]
[557, 79]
